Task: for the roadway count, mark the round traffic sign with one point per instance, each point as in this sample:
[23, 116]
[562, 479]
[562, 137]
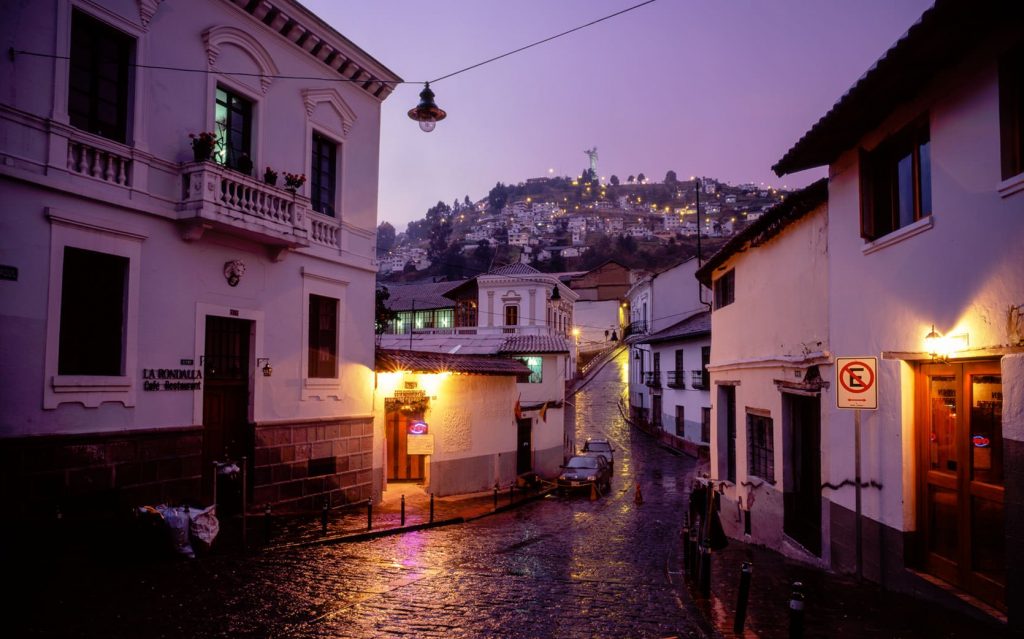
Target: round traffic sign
[857, 377]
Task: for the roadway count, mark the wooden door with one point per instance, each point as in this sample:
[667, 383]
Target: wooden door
[227, 433]
[802, 498]
[524, 450]
[401, 465]
[961, 483]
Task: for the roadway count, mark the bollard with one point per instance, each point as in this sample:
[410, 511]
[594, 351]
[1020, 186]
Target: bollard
[431, 507]
[686, 547]
[705, 568]
[593, 491]
[403, 510]
[511, 493]
[495, 497]
[694, 556]
[746, 571]
[323, 518]
[638, 498]
[796, 612]
[369, 514]
[266, 524]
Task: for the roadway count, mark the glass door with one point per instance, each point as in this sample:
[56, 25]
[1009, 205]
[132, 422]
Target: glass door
[961, 476]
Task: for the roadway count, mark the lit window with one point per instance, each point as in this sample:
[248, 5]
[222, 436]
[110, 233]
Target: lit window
[233, 125]
[536, 366]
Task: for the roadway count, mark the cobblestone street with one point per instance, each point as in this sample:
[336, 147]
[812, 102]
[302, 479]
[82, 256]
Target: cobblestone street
[557, 567]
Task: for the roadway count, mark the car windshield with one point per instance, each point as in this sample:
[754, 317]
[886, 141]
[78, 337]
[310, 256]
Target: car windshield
[582, 462]
[599, 446]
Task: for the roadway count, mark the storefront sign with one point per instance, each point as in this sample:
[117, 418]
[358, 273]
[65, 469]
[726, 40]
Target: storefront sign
[418, 428]
[172, 379]
[420, 445]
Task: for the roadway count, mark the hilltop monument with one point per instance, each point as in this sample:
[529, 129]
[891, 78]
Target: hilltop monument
[592, 154]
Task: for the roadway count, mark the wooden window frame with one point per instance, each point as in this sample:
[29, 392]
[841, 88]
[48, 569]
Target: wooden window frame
[235, 105]
[93, 44]
[761, 446]
[725, 289]
[323, 337]
[879, 181]
[1011, 112]
[324, 179]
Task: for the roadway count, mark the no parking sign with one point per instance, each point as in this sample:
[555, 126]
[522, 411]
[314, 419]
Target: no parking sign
[856, 386]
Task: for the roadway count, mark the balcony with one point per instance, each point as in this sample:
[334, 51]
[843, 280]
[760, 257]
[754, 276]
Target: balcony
[652, 379]
[699, 380]
[635, 328]
[676, 379]
[216, 197]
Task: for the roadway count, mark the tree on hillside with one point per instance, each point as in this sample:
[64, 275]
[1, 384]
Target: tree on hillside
[631, 179]
[614, 180]
[439, 227]
[467, 203]
[641, 178]
[497, 197]
[670, 177]
[385, 237]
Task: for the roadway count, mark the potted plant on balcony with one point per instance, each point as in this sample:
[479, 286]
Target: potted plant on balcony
[294, 181]
[203, 145]
[270, 176]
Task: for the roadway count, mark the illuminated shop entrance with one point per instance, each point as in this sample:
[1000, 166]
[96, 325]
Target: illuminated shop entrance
[404, 417]
[961, 481]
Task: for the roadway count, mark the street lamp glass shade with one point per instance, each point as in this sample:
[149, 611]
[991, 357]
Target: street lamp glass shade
[427, 113]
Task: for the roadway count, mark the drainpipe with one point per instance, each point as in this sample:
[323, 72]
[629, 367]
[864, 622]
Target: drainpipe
[700, 257]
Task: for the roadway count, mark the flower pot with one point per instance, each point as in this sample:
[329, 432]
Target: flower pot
[201, 153]
[270, 179]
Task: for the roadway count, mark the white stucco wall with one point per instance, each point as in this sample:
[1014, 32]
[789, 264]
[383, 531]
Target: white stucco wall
[179, 282]
[960, 272]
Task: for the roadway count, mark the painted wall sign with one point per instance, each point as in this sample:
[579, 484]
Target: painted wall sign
[8, 273]
[172, 379]
[420, 445]
[856, 387]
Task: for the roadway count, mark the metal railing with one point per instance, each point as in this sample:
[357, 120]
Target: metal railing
[653, 379]
[699, 380]
[676, 379]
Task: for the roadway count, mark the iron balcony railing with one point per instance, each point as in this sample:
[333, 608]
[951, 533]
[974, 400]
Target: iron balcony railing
[653, 379]
[676, 379]
[699, 380]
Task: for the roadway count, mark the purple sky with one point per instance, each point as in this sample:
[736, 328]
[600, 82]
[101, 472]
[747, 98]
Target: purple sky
[720, 88]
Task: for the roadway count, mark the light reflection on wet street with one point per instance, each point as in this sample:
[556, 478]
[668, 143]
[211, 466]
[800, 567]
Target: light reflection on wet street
[558, 567]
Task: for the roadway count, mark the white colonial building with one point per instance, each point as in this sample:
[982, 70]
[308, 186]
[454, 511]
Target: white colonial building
[926, 276]
[483, 434]
[164, 304]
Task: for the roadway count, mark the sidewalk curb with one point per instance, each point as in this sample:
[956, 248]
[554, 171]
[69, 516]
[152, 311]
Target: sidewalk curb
[397, 530]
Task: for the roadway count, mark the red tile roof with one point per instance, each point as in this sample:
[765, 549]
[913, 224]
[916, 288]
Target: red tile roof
[525, 344]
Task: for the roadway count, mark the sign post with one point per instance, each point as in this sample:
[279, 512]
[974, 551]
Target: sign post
[856, 389]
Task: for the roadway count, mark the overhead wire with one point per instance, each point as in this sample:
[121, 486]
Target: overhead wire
[12, 52]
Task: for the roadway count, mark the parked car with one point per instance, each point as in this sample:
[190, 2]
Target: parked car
[600, 447]
[586, 471]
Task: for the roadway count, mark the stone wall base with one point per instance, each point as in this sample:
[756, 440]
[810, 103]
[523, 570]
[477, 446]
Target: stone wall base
[299, 465]
[99, 476]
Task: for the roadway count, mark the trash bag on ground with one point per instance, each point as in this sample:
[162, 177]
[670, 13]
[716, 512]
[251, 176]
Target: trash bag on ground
[177, 522]
[204, 527]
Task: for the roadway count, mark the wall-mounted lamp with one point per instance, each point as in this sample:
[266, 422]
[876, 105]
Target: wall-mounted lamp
[636, 355]
[942, 347]
[267, 369]
[427, 113]
[931, 342]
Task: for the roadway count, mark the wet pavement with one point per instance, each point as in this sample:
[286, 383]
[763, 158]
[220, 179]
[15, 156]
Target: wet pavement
[552, 567]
